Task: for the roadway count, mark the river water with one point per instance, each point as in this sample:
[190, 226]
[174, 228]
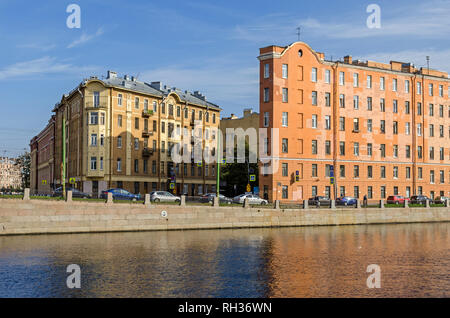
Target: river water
[290, 262]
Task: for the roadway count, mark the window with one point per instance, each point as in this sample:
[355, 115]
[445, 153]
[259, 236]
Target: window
[146, 104]
[327, 122]
[382, 83]
[431, 130]
[432, 176]
[314, 121]
[342, 191]
[441, 176]
[136, 143]
[314, 98]
[406, 86]
[441, 91]
[395, 190]
[369, 172]
[441, 111]
[407, 128]
[395, 128]
[93, 118]
[355, 79]
[383, 126]
[163, 108]
[314, 147]
[342, 148]
[342, 171]
[369, 125]
[314, 191]
[284, 169]
[383, 150]
[266, 119]
[96, 99]
[314, 170]
[266, 95]
[342, 100]
[431, 109]
[327, 76]
[394, 85]
[431, 153]
[407, 108]
[284, 71]
[356, 148]
[356, 102]
[155, 106]
[382, 105]
[441, 153]
[441, 131]
[327, 99]
[356, 191]
[314, 74]
[136, 123]
[179, 113]
[408, 151]
[284, 145]
[395, 106]
[102, 118]
[119, 120]
[93, 163]
[285, 95]
[102, 140]
[266, 70]
[383, 172]
[419, 129]
[284, 192]
[395, 151]
[419, 88]
[136, 165]
[284, 119]
[369, 81]
[419, 152]
[136, 103]
[342, 123]
[119, 99]
[94, 140]
[369, 103]
[119, 164]
[408, 172]
[101, 163]
[356, 125]
[341, 78]
[369, 192]
[419, 108]
[420, 172]
[119, 142]
[328, 147]
[430, 89]
[369, 150]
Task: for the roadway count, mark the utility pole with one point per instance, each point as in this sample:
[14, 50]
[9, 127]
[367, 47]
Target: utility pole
[219, 157]
[428, 64]
[63, 169]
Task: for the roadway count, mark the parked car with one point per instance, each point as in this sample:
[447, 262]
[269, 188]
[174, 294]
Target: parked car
[418, 199]
[120, 194]
[253, 199]
[346, 201]
[75, 193]
[319, 200]
[209, 198]
[396, 199]
[163, 196]
[441, 200]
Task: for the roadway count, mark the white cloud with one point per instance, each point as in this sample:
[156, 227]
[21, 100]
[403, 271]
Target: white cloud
[85, 38]
[44, 65]
[37, 46]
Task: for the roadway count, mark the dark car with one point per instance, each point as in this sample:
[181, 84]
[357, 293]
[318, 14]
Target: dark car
[209, 198]
[346, 201]
[120, 194]
[441, 200]
[75, 193]
[418, 199]
[395, 199]
[319, 200]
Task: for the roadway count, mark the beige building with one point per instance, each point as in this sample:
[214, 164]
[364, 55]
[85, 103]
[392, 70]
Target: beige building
[120, 133]
[10, 175]
[248, 120]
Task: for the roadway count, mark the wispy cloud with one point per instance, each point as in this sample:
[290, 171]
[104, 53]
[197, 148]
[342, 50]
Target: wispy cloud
[38, 46]
[427, 20]
[85, 38]
[44, 65]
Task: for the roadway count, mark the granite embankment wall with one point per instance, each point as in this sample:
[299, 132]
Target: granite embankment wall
[43, 216]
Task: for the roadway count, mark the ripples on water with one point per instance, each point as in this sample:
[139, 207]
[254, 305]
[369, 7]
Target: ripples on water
[288, 262]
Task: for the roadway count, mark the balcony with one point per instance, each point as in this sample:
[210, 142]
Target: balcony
[147, 113]
[93, 102]
[147, 152]
[146, 133]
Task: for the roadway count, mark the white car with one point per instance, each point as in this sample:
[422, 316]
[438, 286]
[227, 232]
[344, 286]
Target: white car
[253, 199]
[163, 196]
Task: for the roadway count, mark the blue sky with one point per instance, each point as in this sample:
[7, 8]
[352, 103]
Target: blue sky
[209, 46]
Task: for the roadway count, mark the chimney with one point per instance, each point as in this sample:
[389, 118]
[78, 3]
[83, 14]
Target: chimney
[111, 74]
[156, 85]
[126, 77]
[348, 59]
[247, 112]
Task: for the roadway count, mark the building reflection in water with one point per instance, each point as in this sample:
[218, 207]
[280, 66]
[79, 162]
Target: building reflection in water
[290, 262]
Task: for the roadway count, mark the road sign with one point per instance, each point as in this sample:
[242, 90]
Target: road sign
[72, 180]
[199, 164]
[224, 161]
[44, 182]
[172, 186]
[249, 188]
[332, 180]
[252, 178]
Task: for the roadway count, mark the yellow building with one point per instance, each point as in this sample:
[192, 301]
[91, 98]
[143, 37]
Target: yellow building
[120, 133]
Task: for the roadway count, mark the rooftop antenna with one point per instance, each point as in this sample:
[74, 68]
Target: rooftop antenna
[298, 33]
[428, 64]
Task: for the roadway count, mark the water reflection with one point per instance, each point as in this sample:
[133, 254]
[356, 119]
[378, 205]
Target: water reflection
[294, 262]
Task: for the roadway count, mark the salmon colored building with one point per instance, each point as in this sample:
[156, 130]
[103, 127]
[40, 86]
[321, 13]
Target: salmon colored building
[379, 129]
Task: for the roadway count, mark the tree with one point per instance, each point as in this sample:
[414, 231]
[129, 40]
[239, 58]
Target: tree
[237, 174]
[24, 162]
